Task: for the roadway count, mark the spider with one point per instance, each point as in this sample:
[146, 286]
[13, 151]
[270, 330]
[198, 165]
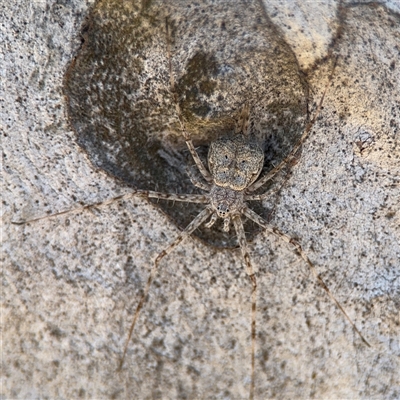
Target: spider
[235, 163]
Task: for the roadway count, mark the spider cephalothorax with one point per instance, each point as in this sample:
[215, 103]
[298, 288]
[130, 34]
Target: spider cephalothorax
[234, 163]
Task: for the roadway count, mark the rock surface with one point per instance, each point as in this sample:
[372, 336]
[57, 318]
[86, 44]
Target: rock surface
[71, 283]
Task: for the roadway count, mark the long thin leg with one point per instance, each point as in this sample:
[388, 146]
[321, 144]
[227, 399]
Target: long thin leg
[260, 221]
[189, 229]
[242, 125]
[270, 191]
[256, 185]
[195, 179]
[237, 221]
[189, 198]
[203, 170]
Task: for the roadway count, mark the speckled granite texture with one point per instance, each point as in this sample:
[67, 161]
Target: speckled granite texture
[70, 283]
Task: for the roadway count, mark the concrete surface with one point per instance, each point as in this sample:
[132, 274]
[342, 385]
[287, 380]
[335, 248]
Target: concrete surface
[71, 283]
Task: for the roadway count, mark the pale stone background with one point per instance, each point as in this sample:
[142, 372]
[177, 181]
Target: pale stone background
[70, 283]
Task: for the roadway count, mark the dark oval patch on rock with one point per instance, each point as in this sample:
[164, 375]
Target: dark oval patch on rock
[122, 108]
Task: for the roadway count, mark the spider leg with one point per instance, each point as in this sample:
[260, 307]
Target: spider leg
[237, 221]
[203, 170]
[200, 218]
[189, 198]
[211, 222]
[256, 185]
[242, 125]
[268, 193]
[194, 178]
[260, 221]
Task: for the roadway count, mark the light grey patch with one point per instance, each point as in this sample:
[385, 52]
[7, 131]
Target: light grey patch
[369, 65]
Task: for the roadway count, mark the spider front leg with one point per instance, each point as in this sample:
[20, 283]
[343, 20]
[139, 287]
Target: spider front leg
[264, 224]
[267, 177]
[268, 193]
[264, 179]
[149, 194]
[189, 229]
[276, 190]
[199, 163]
[242, 125]
[195, 179]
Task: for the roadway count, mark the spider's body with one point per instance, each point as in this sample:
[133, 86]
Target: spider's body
[234, 164]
